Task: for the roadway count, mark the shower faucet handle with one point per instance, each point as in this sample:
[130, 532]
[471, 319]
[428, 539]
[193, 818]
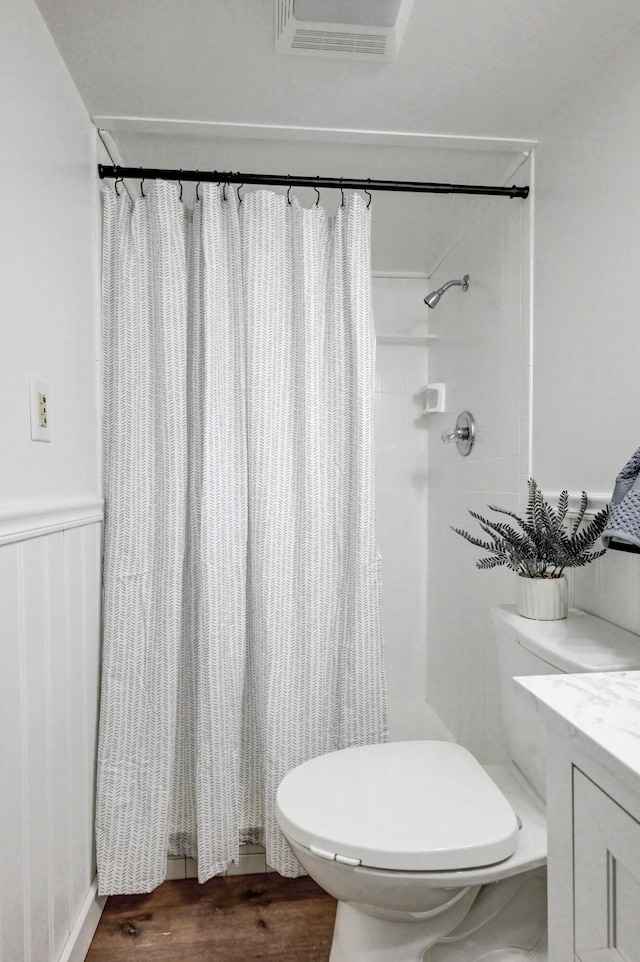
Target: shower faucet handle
[458, 434]
[463, 434]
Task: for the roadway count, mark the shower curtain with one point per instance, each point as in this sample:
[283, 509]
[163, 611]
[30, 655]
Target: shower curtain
[241, 576]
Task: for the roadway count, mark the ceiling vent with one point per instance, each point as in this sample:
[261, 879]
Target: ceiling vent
[355, 29]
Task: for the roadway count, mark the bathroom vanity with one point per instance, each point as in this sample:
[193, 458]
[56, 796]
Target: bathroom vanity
[593, 812]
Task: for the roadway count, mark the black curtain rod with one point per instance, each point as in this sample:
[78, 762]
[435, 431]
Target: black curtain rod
[290, 180]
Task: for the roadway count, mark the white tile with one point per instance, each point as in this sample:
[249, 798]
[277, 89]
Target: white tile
[417, 369]
[525, 438]
[525, 400]
[492, 436]
[400, 538]
[248, 865]
[405, 571]
[511, 401]
[248, 848]
[479, 359]
[393, 475]
[394, 380]
[176, 868]
[406, 672]
[511, 439]
[394, 405]
[494, 405]
[633, 621]
[584, 582]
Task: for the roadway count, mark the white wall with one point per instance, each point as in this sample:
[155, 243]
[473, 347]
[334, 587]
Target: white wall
[401, 493]
[482, 355]
[585, 292]
[586, 395]
[48, 215]
[50, 513]
[586, 401]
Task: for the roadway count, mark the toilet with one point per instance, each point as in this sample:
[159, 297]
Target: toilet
[431, 856]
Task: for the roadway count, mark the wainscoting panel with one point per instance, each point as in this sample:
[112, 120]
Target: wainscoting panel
[50, 587]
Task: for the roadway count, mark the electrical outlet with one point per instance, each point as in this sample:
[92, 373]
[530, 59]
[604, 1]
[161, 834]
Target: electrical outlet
[40, 410]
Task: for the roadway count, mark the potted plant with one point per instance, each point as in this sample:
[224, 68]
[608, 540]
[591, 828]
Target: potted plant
[540, 551]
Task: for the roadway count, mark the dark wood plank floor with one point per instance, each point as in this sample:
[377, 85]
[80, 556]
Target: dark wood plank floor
[228, 919]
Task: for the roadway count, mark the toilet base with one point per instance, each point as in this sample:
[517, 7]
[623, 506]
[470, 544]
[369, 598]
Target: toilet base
[502, 922]
[506, 923]
[361, 937]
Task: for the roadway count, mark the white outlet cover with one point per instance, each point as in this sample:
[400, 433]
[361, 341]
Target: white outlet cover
[37, 387]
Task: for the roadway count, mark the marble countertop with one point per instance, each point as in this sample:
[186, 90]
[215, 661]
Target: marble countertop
[604, 707]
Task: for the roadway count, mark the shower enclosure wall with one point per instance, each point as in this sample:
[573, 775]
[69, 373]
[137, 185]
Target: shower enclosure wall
[483, 355]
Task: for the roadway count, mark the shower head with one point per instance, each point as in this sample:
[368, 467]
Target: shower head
[432, 299]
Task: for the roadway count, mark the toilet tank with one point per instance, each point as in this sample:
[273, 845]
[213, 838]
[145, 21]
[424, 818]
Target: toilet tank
[579, 643]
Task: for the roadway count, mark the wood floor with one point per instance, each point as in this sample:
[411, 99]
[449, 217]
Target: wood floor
[228, 919]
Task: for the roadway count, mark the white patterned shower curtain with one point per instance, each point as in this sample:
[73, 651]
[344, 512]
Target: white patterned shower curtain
[241, 576]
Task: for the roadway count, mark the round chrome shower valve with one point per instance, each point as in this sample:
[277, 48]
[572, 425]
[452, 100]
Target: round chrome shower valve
[463, 434]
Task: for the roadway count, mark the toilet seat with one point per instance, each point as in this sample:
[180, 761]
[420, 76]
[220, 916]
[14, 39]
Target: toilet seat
[406, 806]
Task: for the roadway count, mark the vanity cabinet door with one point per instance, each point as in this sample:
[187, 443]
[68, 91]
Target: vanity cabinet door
[606, 846]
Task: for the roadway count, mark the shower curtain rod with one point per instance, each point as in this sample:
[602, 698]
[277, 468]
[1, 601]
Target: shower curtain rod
[291, 180]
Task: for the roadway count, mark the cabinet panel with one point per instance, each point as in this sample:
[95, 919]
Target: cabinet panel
[606, 849]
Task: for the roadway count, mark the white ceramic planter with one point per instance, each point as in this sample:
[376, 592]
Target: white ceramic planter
[543, 599]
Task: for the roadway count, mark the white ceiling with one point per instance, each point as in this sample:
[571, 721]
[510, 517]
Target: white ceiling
[472, 67]
[467, 68]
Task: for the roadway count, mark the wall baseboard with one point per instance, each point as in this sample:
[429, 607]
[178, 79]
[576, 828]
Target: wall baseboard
[19, 522]
[77, 945]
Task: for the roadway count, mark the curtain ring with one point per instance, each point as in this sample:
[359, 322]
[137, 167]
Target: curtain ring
[317, 204]
[180, 182]
[289, 193]
[115, 185]
[368, 193]
[142, 187]
[197, 188]
[341, 193]
[239, 195]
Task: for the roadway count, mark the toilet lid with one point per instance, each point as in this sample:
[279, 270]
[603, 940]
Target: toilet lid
[414, 806]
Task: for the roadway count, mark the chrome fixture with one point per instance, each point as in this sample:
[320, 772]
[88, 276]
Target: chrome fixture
[432, 299]
[463, 435]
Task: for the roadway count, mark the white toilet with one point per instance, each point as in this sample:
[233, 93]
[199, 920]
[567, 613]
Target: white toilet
[407, 836]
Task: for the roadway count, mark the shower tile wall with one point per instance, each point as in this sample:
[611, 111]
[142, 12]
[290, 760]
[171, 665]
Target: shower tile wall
[251, 861]
[482, 354]
[401, 493]
[401, 489]
[609, 588]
